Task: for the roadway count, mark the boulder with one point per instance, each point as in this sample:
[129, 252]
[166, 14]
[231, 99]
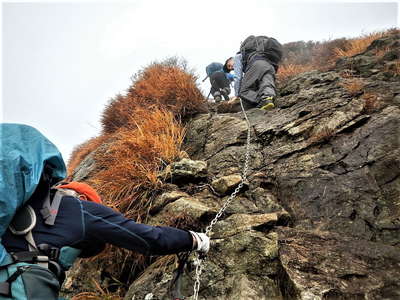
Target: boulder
[185, 170]
[226, 184]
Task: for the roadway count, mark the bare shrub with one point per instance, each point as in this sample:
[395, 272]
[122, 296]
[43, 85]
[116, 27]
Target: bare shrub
[354, 86]
[371, 103]
[322, 135]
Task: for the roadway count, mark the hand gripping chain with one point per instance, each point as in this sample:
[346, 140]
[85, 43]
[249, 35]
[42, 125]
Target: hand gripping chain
[198, 259]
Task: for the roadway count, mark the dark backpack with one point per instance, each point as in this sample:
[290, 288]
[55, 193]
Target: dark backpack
[214, 67]
[261, 47]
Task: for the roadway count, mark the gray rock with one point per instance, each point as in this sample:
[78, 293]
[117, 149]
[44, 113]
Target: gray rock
[232, 270]
[188, 208]
[322, 265]
[185, 170]
[165, 199]
[226, 184]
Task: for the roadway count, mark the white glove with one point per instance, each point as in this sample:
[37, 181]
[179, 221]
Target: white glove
[201, 241]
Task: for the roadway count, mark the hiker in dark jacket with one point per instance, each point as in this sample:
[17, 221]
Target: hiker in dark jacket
[220, 79]
[257, 87]
[88, 226]
[34, 265]
[83, 228]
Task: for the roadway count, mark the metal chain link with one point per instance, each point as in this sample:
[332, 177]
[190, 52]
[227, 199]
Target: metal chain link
[198, 260]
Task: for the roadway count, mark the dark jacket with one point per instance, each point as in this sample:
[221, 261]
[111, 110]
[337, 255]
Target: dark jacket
[89, 226]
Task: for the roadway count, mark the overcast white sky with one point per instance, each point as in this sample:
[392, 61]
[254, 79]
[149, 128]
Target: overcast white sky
[63, 61]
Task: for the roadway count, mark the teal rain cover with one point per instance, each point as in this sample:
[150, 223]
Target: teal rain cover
[23, 153]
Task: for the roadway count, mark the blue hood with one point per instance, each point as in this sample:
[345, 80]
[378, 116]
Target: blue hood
[23, 154]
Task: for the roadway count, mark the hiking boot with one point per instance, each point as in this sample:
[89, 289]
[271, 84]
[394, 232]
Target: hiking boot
[266, 103]
[217, 97]
[225, 92]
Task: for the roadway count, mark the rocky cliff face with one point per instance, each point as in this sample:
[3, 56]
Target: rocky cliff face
[319, 216]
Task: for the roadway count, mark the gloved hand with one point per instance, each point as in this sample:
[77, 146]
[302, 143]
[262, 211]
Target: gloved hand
[201, 242]
[230, 76]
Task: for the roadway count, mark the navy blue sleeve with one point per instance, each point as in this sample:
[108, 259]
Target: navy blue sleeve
[106, 225]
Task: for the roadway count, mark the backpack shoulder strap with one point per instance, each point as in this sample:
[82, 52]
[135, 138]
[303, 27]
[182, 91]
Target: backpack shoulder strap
[23, 223]
[50, 207]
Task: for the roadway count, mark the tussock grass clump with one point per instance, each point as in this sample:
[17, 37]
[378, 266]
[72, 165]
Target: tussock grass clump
[371, 102]
[141, 136]
[150, 140]
[142, 132]
[323, 55]
[168, 84]
[300, 57]
[353, 86]
[323, 135]
[145, 134]
[394, 67]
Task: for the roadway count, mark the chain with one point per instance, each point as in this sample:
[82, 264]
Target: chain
[198, 259]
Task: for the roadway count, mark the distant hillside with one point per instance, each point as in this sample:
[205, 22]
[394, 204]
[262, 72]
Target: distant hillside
[303, 56]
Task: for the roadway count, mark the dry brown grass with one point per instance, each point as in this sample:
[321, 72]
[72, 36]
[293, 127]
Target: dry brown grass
[371, 103]
[95, 296]
[322, 135]
[286, 72]
[101, 294]
[354, 86]
[380, 52]
[393, 67]
[167, 85]
[127, 181]
[323, 54]
[150, 139]
[358, 45]
[143, 133]
[396, 69]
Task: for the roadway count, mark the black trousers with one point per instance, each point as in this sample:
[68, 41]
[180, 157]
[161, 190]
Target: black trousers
[218, 81]
[258, 82]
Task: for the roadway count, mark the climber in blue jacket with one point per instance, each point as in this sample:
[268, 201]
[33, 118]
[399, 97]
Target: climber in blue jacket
[220, 79]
